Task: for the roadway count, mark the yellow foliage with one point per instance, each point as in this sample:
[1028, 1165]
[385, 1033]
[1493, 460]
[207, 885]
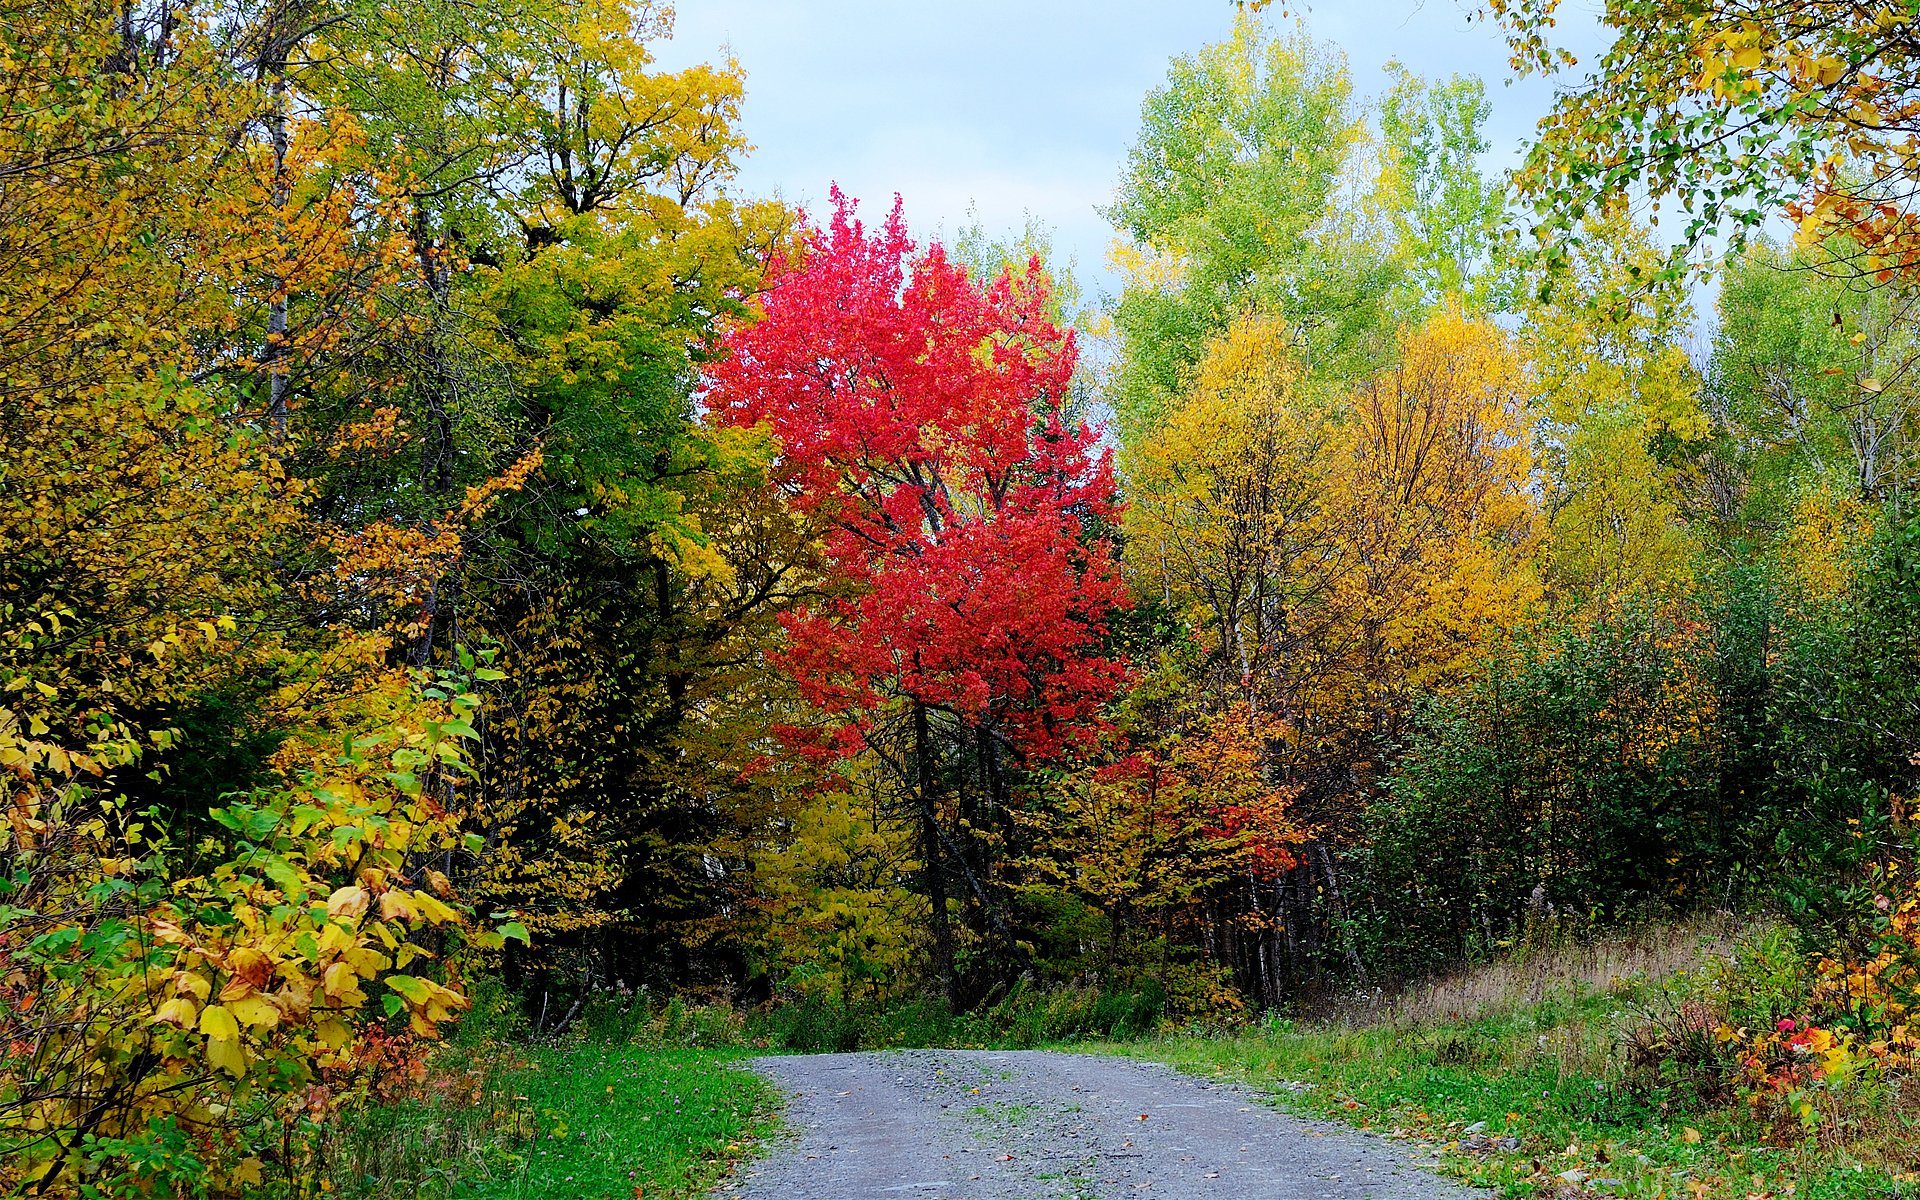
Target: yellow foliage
[177, 997]
[1340, 553]
[833, 914]
[1828, 525]
[1612, 382]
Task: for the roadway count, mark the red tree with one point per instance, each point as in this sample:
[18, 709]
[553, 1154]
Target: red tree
[922, 412]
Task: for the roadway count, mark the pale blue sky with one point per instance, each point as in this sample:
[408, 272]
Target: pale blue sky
[1024, 107]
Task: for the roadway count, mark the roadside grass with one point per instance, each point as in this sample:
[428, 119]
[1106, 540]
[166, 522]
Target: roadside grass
[1517, 1077]
[586, 1121]
[1578, 1068]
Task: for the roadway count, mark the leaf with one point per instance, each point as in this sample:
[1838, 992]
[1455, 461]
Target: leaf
[218, 1023]
[348, 902]
[255, 1012]
[291, 882]
[227, 1055]
[334, 1032]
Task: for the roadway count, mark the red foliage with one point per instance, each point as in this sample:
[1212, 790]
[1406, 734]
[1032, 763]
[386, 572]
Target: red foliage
[920, 411]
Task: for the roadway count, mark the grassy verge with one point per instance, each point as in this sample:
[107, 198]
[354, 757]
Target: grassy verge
[1522, 1079]
[590, 1121]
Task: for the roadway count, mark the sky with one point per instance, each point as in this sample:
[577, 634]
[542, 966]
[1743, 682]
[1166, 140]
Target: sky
[1006, 109]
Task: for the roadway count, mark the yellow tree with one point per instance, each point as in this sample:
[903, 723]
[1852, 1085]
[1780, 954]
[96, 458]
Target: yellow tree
[1184, 833]
[1227, 520]
[1340, 553]
[1616, 406]
[1431, 487]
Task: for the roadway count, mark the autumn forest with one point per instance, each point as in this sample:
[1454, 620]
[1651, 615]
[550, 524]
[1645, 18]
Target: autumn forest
[462, 552]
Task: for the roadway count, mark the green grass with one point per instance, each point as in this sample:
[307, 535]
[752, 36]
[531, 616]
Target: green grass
[602, 1121]
[1547, 1074]
[590, 1121]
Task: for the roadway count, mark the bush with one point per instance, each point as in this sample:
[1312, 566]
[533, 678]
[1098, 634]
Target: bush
[168, 1012]
[813, 1023]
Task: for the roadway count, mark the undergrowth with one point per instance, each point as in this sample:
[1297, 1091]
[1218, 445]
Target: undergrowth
[1611, 1067]
[1025, 1018]
[493, 1116]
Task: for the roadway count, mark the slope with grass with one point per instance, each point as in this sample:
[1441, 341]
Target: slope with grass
[1581, 1070]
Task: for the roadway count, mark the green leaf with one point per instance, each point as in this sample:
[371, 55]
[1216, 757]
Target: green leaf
[285, 876]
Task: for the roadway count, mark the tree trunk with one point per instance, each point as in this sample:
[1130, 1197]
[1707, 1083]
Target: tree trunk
[930, 854]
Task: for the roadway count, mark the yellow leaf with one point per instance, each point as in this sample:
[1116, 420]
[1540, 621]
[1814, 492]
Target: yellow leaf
[334, 1032]
[339, 981]
[1690, 1136]
[433, 910]
[217, 1023]
[256, 1012]
[228, 1056]
[334, 939]
[365, 961]
[347, 902]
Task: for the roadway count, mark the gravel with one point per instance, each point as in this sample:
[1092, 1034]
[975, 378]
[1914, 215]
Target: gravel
[1022, 1125]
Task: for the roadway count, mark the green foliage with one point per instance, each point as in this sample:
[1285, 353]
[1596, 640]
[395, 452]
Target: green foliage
[1849, 716]
[1447, 216]
[1583, 762]
[1814, 371]
[1224, 198]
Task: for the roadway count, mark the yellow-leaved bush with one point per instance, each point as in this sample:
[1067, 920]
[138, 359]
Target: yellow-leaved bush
[168, 1010]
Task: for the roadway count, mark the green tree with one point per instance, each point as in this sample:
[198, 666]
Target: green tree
[1818, 367]
[1224, 205]
[1448, 216]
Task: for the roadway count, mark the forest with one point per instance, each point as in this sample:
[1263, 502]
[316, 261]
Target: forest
[462, 552]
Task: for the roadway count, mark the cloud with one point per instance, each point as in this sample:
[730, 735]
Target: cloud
[1024, 106]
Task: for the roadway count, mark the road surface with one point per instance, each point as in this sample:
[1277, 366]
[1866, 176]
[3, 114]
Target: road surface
[1028, 1125]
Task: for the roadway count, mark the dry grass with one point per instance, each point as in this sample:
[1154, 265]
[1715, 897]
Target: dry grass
[1555, 963]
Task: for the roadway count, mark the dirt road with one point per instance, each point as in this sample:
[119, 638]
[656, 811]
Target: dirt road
[992, 1125]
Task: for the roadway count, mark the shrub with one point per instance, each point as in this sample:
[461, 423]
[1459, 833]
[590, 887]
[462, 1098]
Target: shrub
[167, 1011]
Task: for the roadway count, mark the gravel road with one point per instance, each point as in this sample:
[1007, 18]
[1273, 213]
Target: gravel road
[992, 1125]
